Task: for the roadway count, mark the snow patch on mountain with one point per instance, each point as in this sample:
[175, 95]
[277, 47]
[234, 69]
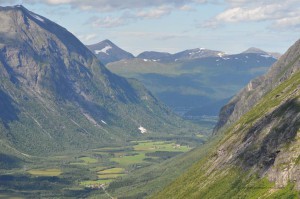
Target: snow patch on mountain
[103, 50]
[37, 17]
[266, 56]
[143, 130]
[221, 54]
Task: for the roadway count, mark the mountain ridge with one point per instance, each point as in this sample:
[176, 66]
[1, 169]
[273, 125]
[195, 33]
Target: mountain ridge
[188, 54]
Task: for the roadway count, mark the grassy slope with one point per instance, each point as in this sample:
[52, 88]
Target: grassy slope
[194, 79]
[229, 181]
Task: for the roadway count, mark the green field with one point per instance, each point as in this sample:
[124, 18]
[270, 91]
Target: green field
[88, 160]
[112, 171]
[110, 176]
[159, 146]
[45, 172]
[95, 182]
[129, 160]
[4, 196]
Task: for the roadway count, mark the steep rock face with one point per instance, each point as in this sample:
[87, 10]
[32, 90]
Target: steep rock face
[286, 66]
[56, 95]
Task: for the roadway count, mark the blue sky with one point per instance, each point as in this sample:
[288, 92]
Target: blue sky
[174, 25]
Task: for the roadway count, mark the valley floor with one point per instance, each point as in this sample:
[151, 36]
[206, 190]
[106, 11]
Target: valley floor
[85, 174]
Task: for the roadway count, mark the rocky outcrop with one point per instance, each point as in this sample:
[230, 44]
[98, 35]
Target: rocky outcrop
[285, 67]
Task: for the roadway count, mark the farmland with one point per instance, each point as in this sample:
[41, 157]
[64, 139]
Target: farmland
[86, 172]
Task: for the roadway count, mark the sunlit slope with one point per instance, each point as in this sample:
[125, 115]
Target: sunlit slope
[258, 156]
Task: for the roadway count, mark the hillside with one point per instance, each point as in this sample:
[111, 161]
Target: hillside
[242, 102]
[56, 95]
[257, 156]
[194, 87]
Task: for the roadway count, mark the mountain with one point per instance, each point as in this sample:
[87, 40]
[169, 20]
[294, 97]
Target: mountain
[275, 54]
[241, 103]
[180, 56]
[108, 52]
[257, 153]
[152, 55]
[193, 86]
[255, 50]
[196, 54]
[259, 51]
[56, 96]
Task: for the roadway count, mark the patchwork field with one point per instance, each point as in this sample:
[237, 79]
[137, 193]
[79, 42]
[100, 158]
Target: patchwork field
[87, 172]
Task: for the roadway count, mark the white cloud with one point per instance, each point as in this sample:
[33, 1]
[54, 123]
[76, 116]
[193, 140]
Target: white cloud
[243, 14]
[107, 22]
[87, 38]
[278, 13]
[187, 8]
[111, 5]
[59, 1]
[287, 22]
[155, 13]
[130, 10]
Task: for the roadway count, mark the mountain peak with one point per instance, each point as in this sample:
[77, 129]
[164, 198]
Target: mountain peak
[106, 42]
[254, 50]
[108, 52]
[16, 8]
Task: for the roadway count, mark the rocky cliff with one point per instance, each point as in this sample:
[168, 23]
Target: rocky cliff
[284, 68]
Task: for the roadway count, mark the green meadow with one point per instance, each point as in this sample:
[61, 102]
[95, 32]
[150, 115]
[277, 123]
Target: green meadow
[45, 172]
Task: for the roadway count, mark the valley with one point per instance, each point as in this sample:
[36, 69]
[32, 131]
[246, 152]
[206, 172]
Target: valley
[84, 174]
[94, 121]
[195, 83]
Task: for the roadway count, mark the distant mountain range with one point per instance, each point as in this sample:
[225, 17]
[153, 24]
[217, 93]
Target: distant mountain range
[195, 82]
[184, 55]
[109, 52]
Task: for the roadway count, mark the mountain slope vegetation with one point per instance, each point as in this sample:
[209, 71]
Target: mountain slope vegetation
[286, 66]
[257, 156]
[197, 83]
